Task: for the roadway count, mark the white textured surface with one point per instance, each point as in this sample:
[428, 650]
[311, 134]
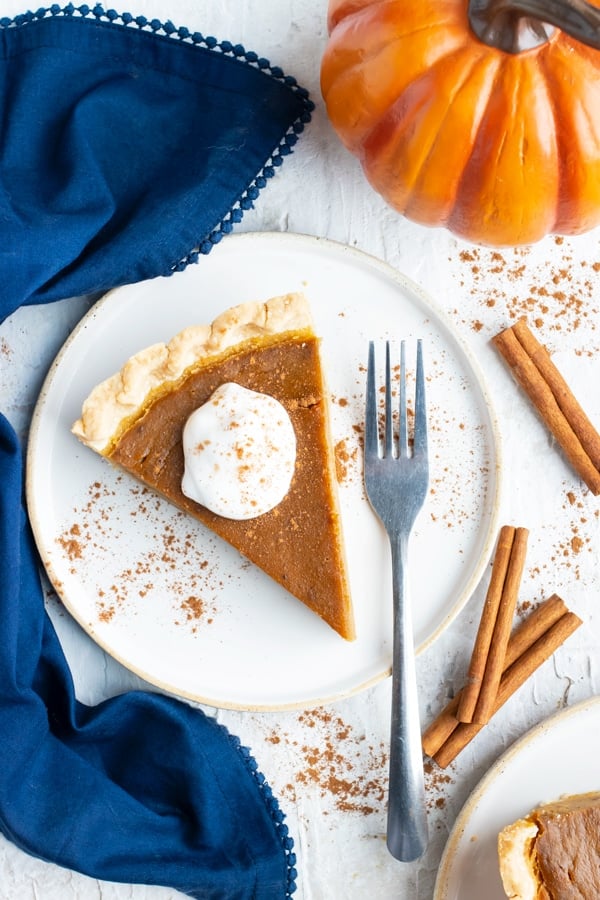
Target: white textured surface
[328, 767]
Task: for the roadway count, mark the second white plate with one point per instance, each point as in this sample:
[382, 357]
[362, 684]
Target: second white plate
[176, 605]
[556, 758]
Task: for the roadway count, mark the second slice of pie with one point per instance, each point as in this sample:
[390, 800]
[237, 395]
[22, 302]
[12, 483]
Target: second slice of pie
[263, 356]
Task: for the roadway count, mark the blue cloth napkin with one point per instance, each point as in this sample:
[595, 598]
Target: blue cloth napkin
[127, 150]
[127, 147]
[141, 788]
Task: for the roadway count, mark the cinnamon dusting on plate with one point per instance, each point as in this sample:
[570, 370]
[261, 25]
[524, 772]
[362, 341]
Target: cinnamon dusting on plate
[192, 583]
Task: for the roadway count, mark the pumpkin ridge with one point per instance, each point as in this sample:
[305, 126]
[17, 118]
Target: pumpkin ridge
[575, 193]
[345, 10]
[365, 9]
[562, 156]
[517, 185]
[453, 181]
[416, 136]
[387, 44]
[489, 212]
[338, 86]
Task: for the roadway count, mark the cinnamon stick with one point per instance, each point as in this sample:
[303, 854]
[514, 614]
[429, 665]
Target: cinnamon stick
[524, 636]
[436, 734]
[513, 678]
[506, 610]
[573, 412]
[574, 433]
[481, 647]
[487, 625]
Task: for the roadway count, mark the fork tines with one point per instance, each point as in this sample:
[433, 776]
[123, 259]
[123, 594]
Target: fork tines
[372, 442]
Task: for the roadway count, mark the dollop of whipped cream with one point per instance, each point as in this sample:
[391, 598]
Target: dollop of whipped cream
[240, 453]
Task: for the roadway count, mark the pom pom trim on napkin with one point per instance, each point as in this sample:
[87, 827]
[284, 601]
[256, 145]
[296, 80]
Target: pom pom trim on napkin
[224, 48]
[272, 804]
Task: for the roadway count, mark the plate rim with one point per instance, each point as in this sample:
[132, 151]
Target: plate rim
[389, 272]
[496, 769]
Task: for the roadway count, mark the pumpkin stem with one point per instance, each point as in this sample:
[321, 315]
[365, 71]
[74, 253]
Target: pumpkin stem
[518, 25]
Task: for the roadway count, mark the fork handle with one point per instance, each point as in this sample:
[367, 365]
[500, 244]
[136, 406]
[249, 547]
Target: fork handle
[407, 834]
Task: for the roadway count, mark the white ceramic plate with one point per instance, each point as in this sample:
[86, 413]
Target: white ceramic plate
[182, 609]
[558, 757]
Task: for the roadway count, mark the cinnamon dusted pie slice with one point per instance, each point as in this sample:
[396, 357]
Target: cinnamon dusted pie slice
[554, 852]
[136, 419]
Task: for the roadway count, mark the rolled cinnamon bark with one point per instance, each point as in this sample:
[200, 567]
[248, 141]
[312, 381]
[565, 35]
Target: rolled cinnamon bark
[525, 635]
[483, 639]
[513, 678]
[534, 383]
[572, 410]
[506, 610]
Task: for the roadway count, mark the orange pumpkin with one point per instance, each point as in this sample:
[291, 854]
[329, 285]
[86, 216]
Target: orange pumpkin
[477, 116]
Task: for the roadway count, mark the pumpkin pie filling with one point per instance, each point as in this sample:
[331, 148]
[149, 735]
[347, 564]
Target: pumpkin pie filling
[298, 543]
[554, 852]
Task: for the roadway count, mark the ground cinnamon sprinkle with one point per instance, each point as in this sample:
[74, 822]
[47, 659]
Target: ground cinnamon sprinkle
[437, 782]
[71, 544]
[570, 547]
[342, 765]
[570, 552]
[346, 461]
[523, 607]
[106, 613]
[557, 298]
[345, 767]
[192, 584]
[450, 502]
[347, 451]
[193, 607]
[577, 544]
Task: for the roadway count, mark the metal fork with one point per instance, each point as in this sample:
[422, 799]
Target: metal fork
[396, 486]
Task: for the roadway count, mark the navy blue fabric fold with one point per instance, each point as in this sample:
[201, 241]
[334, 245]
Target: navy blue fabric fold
[128, 149]
[141, 788]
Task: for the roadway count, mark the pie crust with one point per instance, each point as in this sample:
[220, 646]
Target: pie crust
[122, 398]
[135, 419]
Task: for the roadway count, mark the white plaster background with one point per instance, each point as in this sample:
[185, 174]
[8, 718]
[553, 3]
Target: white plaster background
[320, 191]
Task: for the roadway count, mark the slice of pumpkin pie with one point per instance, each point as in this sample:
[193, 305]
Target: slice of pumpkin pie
[230, 423]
